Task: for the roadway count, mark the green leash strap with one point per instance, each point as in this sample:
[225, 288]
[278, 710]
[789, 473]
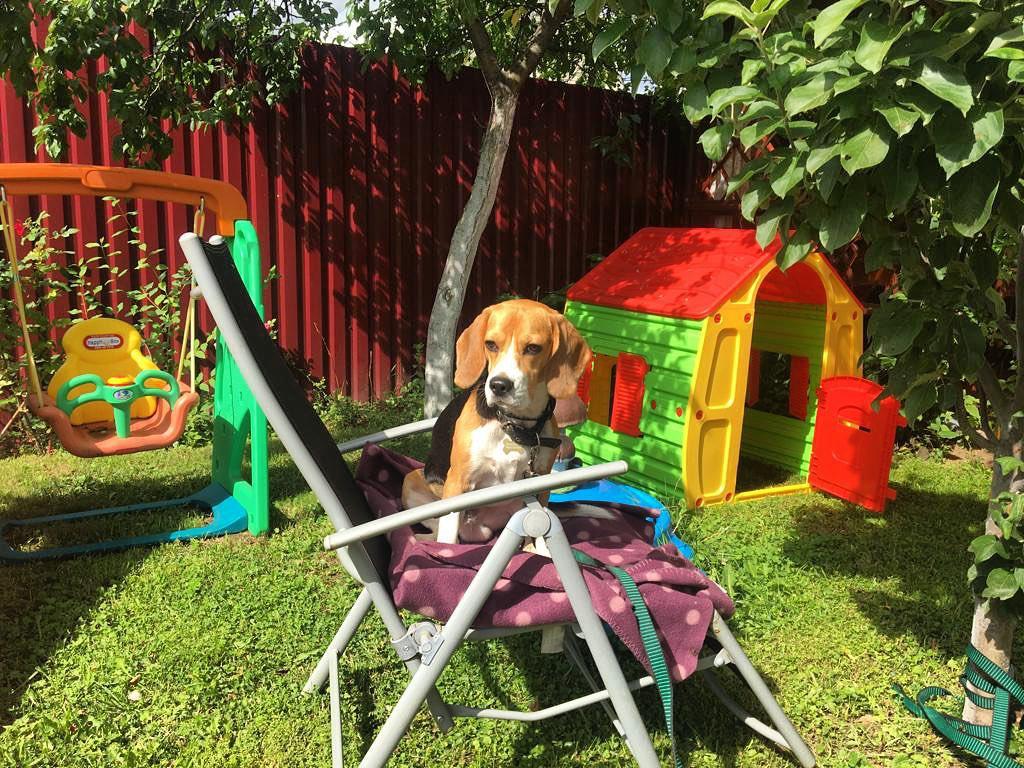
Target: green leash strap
[649, 637]
[986, 742]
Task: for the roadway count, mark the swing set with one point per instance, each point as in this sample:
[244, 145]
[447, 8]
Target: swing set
[109, 398]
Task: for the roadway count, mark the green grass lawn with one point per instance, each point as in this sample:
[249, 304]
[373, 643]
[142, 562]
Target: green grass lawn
[195, 654]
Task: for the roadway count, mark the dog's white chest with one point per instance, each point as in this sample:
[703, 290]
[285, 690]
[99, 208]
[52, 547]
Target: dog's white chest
[496, 458]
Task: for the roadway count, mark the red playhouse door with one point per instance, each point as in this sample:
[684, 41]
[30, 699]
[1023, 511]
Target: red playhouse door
[853, 442]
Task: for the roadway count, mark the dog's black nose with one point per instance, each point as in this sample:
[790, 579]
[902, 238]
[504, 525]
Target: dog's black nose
[500, 385]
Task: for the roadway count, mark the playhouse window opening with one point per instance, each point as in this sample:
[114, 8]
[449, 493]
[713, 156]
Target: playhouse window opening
[616, 392]
[778, 384]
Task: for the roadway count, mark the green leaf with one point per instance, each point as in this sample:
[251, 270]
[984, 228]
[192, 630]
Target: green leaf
[831, 18]
[968, 351]
[723, 97]
[901, 120]
[655, 51]
[828, 177]
[876, 39]
[580, 7]
[960, 142]
[609, 35]
[810, 95]
[668, 13]
[947, 82]
[1009, 464]
[785, 175]
[919, 400]
[1000, 585]
[683, 60]
[846, 84]
[865, 149]
[1003, 39]
[715, 140]
[971, 193]
[754, 198]
[1015, 72]
[843, 220]
[729, 8]
[923, 102]
[987, 546]
[754, 132]
[695, 103]
[1009, 53]
[818, 156]
[796, 248]
[768, 222]
[893, 327]
[900, 177]
[750, 70]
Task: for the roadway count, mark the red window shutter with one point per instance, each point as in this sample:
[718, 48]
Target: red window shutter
[583, 388]
[630, 371]
[754, 377]
[799, 379]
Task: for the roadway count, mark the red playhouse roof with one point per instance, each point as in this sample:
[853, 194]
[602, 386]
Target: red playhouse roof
[689, 273]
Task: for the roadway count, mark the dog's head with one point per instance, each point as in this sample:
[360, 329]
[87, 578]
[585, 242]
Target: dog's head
[529, 352]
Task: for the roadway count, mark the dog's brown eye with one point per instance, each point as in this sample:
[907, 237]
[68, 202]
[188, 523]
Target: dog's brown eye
[532, 349]
[491, 346]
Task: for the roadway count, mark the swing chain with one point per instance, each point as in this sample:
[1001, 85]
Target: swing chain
[188, 332]
[7, 224]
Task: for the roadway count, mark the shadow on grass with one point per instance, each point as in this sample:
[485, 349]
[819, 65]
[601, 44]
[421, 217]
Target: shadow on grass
[920, 542]
[45, 600]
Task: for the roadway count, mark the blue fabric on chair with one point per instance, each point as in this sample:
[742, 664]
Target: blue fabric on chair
[610, 492]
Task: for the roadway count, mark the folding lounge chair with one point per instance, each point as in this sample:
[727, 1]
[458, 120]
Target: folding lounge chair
[362, 547]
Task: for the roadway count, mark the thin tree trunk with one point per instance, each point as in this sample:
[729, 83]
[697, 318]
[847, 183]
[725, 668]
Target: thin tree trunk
[993, 626]
[451, 291]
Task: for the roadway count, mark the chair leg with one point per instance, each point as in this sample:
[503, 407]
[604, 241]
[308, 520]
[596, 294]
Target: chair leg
[637, 736]
[337, 646]
[337, 755]
[575, 655]
[423, 680]
[753, 679]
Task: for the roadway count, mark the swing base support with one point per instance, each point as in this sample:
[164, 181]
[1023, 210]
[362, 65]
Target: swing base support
[228, 516]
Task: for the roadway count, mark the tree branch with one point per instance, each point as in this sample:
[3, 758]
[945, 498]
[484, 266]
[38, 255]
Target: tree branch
[985, 441]
[985, 416]
[482, 45]
[1018, 318]
[994, 392]
[539, 41]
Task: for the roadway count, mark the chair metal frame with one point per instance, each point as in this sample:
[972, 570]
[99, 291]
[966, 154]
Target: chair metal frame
[426, 647]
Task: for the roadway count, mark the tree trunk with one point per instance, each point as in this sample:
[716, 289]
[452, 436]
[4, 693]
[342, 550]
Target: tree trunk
[993, 626]
[451, 291]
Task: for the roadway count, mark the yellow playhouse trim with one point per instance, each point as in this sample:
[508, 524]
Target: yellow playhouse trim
[714, 412]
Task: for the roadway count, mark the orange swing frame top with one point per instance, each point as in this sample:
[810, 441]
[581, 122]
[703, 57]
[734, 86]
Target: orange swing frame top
[218, 198]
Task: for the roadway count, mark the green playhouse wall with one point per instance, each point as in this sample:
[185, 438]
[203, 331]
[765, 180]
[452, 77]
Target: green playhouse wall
[790, 329]
[670, 348]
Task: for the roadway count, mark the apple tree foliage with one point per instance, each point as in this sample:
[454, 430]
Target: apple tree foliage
[897, 124]
[192, 62]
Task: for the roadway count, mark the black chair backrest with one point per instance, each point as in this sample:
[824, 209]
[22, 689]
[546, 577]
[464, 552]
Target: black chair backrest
[293, 402]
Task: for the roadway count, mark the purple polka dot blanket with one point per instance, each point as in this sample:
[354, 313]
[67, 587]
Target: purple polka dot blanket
[430, 578]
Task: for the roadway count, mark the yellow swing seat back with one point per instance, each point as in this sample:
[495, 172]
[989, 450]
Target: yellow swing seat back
[110, 349]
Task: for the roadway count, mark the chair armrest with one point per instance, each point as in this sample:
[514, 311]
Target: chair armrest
[412, 428]
[481, 497]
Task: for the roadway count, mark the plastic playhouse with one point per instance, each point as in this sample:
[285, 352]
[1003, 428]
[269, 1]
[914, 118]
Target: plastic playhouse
[704, 350]
[109, 398]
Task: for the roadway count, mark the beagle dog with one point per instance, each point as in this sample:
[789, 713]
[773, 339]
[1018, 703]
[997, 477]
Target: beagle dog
[514, 362]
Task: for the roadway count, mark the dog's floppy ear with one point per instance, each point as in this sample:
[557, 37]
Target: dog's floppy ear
[469, 352]
[570, 356]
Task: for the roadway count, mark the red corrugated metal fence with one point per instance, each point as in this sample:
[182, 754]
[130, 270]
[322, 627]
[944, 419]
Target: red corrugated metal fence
[355, 186]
